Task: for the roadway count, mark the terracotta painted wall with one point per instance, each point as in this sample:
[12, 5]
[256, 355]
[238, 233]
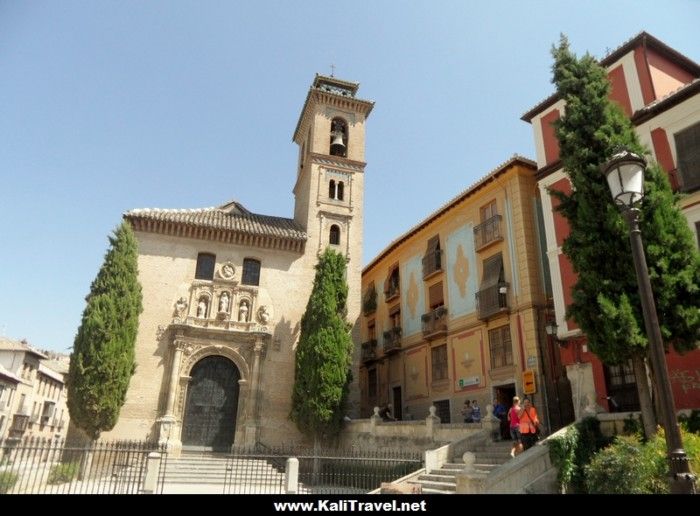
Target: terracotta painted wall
[619, 92]
[549, 139]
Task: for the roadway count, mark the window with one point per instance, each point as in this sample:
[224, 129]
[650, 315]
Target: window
[391, 285]
[336, 190]
[340, 188]
[395, 317]
[435, 296]
[488, 211]
[371, 330]
[334, 237]
[688, 151]
[492, 295]
[372, 383]
[205, 266]
[339, 138]
[439, 362]
[251, 272]
[432, 260]
[489, 230]
[622, 387]
[500, 347]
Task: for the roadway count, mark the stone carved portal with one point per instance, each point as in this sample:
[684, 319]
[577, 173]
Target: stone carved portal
[212, 404]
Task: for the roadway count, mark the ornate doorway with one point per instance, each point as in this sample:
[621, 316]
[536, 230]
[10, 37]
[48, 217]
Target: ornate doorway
[212, 403]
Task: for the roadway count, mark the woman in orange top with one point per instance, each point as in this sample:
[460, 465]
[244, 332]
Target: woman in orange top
[529, 422]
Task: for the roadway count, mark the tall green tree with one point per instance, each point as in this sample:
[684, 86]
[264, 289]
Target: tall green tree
[606, 303]
[102, 361]
[323, 355]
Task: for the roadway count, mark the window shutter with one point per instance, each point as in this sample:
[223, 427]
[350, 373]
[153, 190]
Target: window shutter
[493, 271]
[688, 151]
[435, 295]
[433, 244]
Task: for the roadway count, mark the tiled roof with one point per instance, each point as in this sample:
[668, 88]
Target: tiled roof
[16, 345]
[231, 216]
[640, 38]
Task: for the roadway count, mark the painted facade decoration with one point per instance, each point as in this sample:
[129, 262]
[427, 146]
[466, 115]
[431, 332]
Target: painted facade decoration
[461, 271]
[412, 297]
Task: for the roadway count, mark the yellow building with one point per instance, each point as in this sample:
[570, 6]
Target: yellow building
[453, 308]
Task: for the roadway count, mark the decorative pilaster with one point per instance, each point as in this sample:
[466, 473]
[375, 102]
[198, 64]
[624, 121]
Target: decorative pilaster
[252, 418]
[168, 422]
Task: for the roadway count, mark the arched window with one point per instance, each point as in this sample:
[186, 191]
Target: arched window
[334, 235]
[339, 190]
[331, 189]
[251, 272]
[339, 137]
[205, 266]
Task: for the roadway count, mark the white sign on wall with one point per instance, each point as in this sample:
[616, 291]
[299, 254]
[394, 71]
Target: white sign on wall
[466, 382]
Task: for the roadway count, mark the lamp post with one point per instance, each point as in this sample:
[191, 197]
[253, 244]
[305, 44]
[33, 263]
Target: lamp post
[625, 175]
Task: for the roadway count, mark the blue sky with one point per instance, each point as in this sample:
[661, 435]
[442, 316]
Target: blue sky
[107, 106]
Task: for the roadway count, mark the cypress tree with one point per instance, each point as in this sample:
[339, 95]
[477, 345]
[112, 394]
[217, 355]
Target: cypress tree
[323, 355]
[102, 361]
[606, 303]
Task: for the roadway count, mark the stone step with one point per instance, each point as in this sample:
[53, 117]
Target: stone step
[492, 458]
[437, 477]
[428, 490]
[441, 486]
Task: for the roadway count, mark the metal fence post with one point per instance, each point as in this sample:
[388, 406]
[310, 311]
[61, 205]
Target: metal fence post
[150, 479]
[291, 476]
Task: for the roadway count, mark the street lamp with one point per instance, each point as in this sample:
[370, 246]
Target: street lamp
[625, 175]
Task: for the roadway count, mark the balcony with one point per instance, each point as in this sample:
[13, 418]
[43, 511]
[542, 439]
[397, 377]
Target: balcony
[19, 424]
[492, 300]
[435, 323]
[369, 350]
[432, 263]
[369, 302]
[392, 292]
[392, 340]
[488, 232]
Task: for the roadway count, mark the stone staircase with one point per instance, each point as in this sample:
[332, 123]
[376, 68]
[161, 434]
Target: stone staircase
[443, 481]
[218, 473]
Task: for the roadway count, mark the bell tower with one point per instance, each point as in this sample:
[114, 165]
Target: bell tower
[330, 172]
[329, 190]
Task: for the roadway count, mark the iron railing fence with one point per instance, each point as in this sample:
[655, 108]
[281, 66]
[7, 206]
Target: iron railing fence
[321, 471]
[50, 466]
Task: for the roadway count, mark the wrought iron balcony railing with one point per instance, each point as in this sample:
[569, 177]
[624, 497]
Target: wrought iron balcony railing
[435, 322]
[432, 263]
[392, 339]
[369, 350]
[488, 231]
[492, 300]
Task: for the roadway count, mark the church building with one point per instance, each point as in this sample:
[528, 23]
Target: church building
[224, 290]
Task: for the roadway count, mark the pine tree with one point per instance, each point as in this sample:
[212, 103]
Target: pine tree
[102, 361]
[323, 355]
[606, 303]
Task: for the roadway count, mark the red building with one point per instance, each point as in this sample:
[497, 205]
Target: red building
[659, 89]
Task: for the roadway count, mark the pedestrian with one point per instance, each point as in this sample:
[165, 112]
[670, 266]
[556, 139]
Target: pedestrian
[467, 411]
[529, 424]
[386, 414]
[500, 412]
[514, 424]
[476, 412]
